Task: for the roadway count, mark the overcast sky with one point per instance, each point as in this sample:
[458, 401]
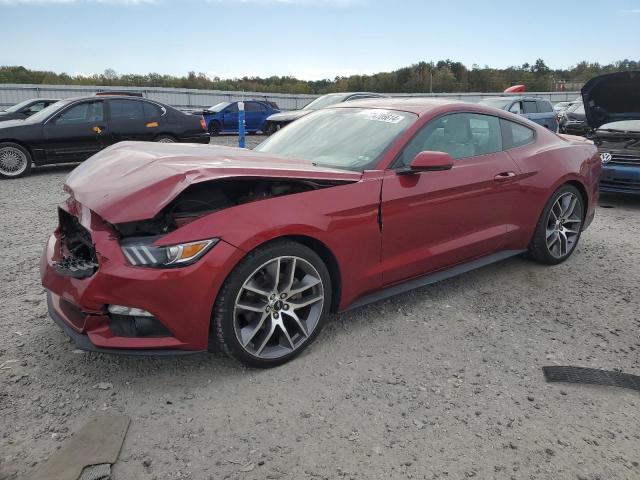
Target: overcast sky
[310, 39]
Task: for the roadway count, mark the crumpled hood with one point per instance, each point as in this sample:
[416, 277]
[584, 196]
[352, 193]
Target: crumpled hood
[288, 116]
[612, 97]
[133, 181]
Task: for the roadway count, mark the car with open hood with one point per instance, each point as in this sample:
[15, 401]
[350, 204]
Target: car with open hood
[278, 120]
[612, 109]
[74, 129]
[168, 249]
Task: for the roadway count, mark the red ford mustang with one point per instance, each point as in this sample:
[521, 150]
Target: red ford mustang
[165, 249]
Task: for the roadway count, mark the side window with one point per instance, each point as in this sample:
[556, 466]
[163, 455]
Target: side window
[461, 135]
[86, 112]
[151, 110]
[252, 107]
[126, 110]
[233, 108]
[516, 108]
[36, 107]
[530, 106]
[515, 135]
[544, 106]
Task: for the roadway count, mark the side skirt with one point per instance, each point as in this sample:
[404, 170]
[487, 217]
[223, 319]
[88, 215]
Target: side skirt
[432, 278]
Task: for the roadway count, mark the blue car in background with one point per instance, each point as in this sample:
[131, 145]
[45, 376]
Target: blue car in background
[223, 117]
[536, 109]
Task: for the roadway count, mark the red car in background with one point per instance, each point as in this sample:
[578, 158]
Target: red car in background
[165, 249]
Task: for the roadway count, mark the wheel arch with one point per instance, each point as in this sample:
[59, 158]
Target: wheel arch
[329, 259]
[583, 193]
[323, 251]
[22, 144]
[167, 134]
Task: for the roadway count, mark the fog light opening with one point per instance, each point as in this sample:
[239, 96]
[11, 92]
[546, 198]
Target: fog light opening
[134, 322]
[128, 311]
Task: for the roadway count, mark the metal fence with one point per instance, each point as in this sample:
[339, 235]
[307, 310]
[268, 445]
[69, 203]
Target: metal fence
[11, 94]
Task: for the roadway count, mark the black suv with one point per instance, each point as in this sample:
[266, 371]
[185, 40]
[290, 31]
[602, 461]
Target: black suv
[74, 129]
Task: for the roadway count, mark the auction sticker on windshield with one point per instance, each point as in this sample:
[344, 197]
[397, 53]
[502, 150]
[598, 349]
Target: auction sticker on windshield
[383, 116]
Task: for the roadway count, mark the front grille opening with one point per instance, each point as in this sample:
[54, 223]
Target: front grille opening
[78, 254]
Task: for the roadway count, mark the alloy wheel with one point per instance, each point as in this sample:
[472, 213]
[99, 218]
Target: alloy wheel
[563, 225]
[278, 307]
[13, 161]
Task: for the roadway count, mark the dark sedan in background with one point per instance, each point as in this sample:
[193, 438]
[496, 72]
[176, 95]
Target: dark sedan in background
[573, 120]
[25, 109]
[72, 130]
[279, 120]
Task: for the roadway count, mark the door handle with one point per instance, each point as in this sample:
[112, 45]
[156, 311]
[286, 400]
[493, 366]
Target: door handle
[501, 177]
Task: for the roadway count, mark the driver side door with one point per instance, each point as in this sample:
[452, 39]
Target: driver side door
[437, 219]
[230, 118]
[76, 133]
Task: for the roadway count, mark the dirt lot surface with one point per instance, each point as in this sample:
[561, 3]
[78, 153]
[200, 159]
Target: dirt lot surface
[444, 382]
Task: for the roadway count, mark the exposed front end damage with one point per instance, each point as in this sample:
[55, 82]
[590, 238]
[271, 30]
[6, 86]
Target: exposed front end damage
[204, 198]
[120, 286]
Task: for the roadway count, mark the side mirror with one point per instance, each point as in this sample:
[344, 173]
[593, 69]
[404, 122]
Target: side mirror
[429, 161]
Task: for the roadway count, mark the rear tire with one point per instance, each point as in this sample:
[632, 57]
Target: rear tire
[165, 139]
[559, 227]
[214, 129]
[264, 322]
[15, 160]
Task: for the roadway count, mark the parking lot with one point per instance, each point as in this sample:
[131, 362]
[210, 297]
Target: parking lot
[443, 382]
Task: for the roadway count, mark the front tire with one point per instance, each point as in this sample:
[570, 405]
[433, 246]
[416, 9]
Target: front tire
[559, 227]
[273, 305]
[15, 160]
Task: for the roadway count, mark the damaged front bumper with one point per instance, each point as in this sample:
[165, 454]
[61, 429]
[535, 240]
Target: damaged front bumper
[180, 300]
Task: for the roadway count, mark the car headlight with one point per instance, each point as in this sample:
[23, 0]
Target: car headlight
[140, 252]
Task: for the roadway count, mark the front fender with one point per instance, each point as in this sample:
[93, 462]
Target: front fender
[343, 218]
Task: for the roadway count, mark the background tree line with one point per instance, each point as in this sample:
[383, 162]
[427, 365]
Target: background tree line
[442, 76]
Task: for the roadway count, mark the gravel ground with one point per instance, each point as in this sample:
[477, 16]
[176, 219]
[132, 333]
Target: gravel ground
[443, 382]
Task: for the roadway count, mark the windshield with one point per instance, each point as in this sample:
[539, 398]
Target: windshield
[18, 106]
[343, 138]
[218, 107]
[576, 108]
[324, 101]
[500, 103]
[46, 112]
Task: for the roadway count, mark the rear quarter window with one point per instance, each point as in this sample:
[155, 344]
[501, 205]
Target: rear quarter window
[515, 134]
[151, 110]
